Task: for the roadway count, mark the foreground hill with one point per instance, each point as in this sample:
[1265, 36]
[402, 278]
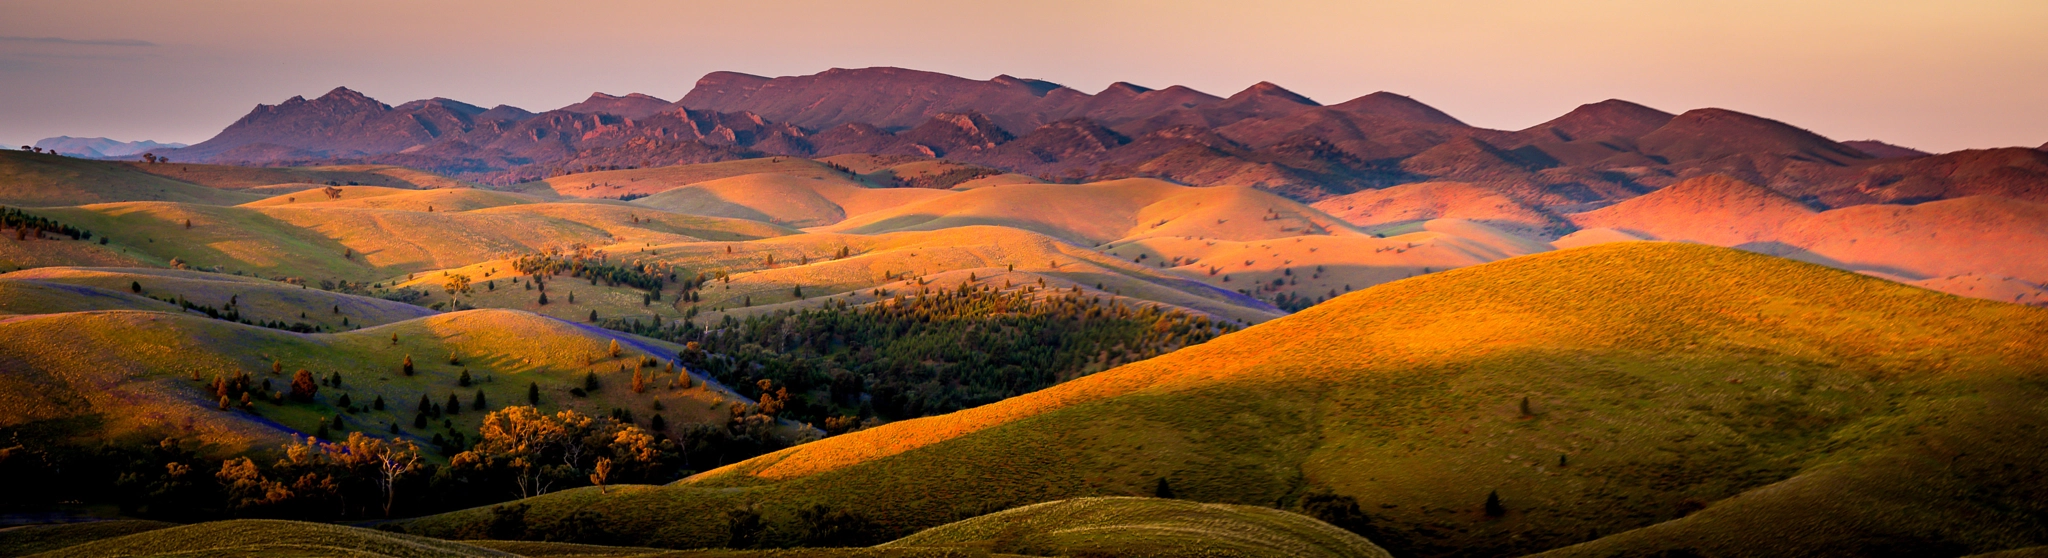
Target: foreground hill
[1136, 527]
[1807, 401]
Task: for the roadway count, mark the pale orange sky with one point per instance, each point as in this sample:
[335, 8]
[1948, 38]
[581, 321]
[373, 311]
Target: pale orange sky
[1934, 75]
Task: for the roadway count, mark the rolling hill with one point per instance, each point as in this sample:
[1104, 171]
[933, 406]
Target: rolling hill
[1136, 527]
[784, 199]
[1733, 402]
[131, 373]
[52, 290]
[40, 180]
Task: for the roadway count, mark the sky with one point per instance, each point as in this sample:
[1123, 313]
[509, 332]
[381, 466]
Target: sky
[1933, 75]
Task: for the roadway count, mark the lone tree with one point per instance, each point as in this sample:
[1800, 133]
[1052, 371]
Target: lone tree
[303, 386]
[533, 393]
[408, 360]
[604, 470]
[1493, 507]
[479, 403]
[456, 286]
[1525, 407]
[463, 380]
[454, 406]
[614, 350]
[1162, 490]
[133, 286]
[543, 298]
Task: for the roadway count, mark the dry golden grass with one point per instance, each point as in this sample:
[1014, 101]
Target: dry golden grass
[378, 197]
[784, 199]
[1821, 407]
[649, 181]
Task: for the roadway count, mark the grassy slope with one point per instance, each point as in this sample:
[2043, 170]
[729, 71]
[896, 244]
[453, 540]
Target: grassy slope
[1722, 376]
[229, 177]
[132, 372]
[38, 180]
[1145, 527]
[378, 197]
[1423, 201]
[793, 200]
[64, 289]
[374, 244]
[31, 539]
[1136, 527]
[892, 262]
[260, 537]
[649, 181]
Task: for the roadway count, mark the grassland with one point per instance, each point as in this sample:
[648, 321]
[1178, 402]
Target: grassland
[133, 373]
[1724, 379]
[39, 180]
[53, 290]
[1135, 527]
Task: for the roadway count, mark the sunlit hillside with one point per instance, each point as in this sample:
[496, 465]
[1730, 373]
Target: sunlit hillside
[149, 373]
[1724, 380]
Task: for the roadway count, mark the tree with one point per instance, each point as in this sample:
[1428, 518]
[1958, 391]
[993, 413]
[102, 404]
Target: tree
[1493, 506]
[463, 380]
[454, 406]
[344, 401]
[603, 471]
[133, 286]
[1162, 490]
[394, 461]
[456, 286]
[303, 386]
[479, 403]
[614, 350]
[590, 381]
[593, 311]
[378, 404]
[1525, 408]
[543, 298]
[533, 393]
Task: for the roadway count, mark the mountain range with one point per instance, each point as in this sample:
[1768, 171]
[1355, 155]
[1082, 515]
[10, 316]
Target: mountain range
[1264, 136]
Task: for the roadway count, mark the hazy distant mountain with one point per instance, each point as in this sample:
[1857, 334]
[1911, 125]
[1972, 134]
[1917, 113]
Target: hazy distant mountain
[101, 148]
[1264, 136]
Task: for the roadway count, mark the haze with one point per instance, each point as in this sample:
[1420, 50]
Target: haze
[1933, 76]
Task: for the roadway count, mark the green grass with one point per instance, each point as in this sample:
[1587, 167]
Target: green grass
[134, 371]
[1670, 377]
[39, 180]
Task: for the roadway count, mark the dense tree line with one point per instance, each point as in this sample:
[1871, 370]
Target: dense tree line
[518, 452]
[26, 225]
[928, 353]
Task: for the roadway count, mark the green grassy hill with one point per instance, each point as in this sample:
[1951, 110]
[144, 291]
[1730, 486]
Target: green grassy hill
[39, 180]
[52, 290]
[366, 245]
[1744, 401]
[30, 539]
[122, 373]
